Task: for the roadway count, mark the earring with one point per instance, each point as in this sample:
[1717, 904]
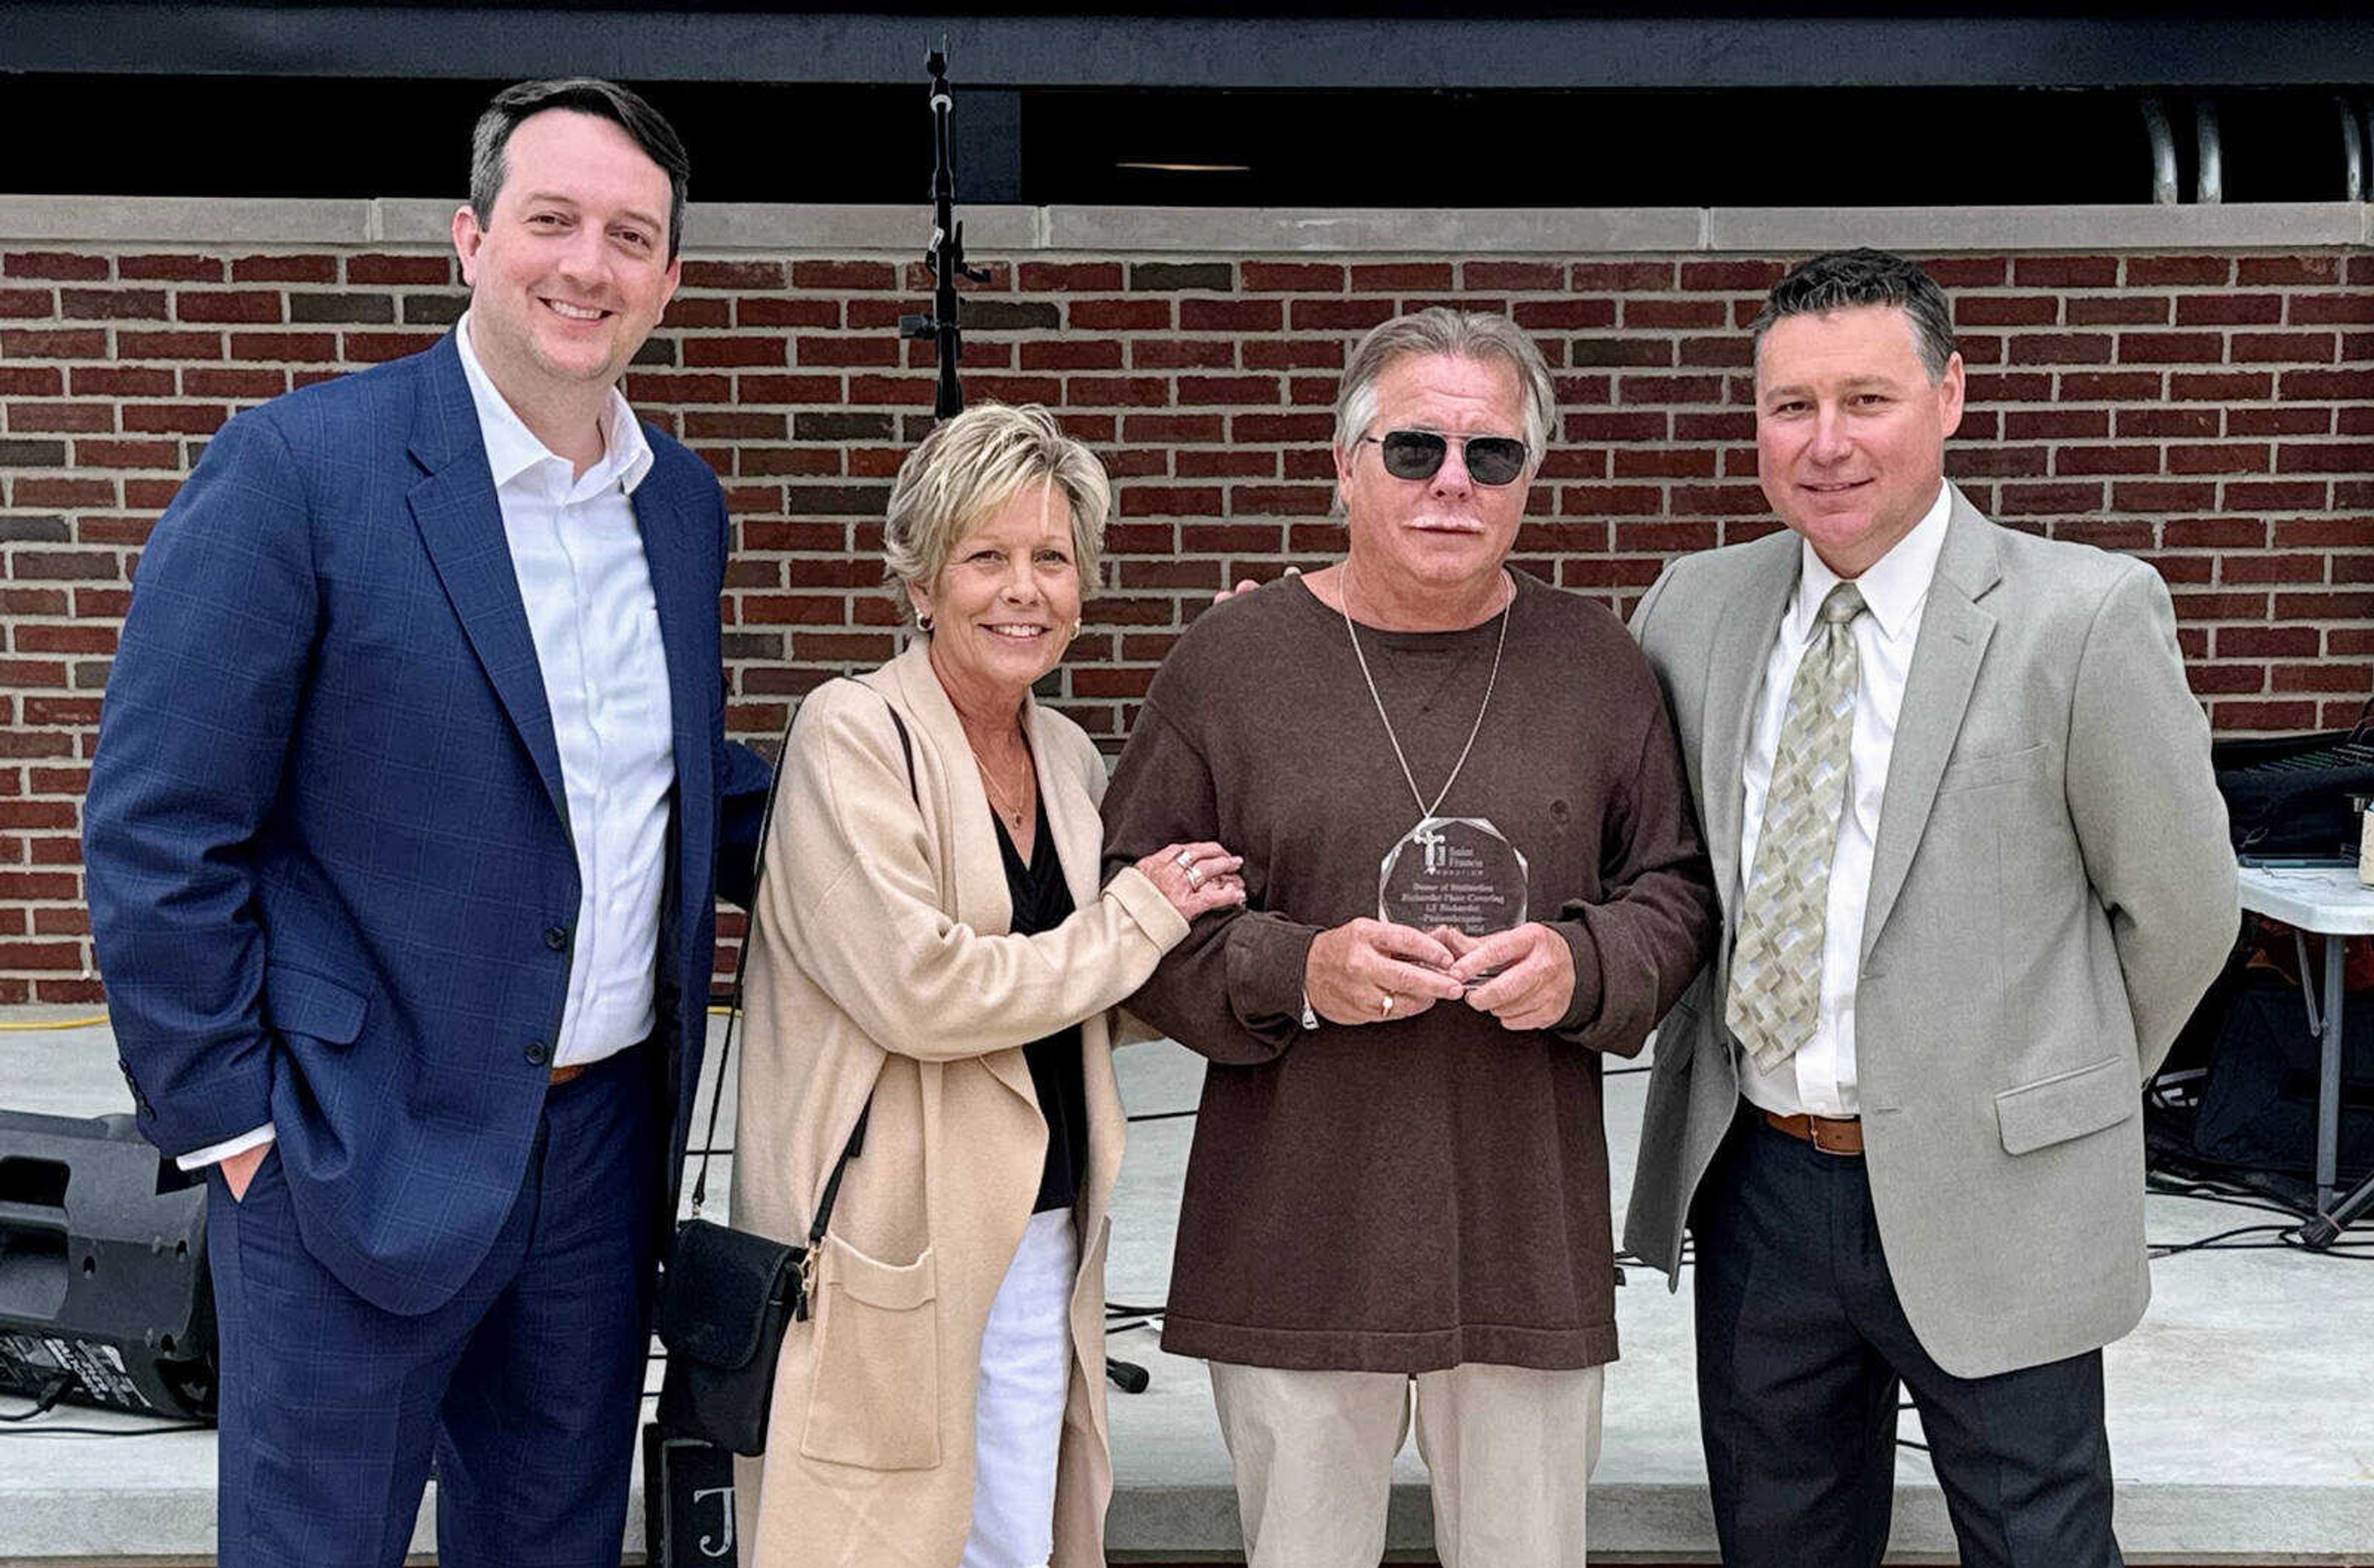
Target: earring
[1074, 634]
[923, 621]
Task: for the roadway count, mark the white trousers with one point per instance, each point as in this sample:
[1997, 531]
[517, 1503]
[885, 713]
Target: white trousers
[1508, 1450]
[1026, 1372]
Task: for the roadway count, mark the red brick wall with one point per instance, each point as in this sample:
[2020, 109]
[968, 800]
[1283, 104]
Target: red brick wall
[2211, 413]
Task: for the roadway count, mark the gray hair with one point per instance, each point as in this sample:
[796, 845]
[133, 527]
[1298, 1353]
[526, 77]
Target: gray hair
[974, 464]
[1454, 334]
[1846, 280]
[623, 107]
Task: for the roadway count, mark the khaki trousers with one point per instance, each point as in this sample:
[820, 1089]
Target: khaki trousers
[1508, 1450]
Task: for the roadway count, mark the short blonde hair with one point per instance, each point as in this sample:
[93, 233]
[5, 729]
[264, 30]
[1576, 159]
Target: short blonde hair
[972, 465]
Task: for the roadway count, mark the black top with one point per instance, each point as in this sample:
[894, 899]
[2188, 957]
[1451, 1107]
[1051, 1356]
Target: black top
[1041, 902]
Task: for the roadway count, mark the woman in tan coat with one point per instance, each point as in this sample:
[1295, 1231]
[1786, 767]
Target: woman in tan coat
[932, 951]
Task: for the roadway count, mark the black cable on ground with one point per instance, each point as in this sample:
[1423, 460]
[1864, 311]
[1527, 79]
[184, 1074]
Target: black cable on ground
[111, 1430]
[57, 1390]
[59, 1387]
[2237, 1193]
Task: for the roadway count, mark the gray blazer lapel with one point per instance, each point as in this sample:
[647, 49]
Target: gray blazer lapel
[1955, 631]
[1741, 639]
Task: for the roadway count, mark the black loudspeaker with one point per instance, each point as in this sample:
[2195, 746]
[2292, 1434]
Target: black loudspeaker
[688, 1501]
[102, 1269]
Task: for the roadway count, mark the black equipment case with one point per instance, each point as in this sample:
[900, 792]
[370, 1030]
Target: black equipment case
[102, 1269]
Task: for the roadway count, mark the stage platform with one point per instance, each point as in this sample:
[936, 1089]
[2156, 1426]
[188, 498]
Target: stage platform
[2241, 1411]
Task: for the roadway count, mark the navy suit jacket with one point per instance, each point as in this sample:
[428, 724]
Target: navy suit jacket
[330, 869]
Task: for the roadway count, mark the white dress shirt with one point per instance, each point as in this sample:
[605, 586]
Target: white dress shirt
[1820, 1077]
[587, 588]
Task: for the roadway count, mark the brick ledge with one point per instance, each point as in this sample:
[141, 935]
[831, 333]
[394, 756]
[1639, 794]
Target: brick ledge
[727, 228]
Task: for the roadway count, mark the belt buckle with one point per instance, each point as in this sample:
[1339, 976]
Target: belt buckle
[1821, 1131]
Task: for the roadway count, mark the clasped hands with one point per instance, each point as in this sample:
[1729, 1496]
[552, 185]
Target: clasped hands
[1372, 972]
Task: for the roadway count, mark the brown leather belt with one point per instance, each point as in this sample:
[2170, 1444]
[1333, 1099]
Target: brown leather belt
[573, 1070]
[1831, 1135]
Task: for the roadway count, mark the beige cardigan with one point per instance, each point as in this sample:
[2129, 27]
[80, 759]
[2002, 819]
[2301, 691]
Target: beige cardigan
[882, 965]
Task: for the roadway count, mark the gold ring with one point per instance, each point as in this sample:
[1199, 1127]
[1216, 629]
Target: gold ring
[1184, 859]
[1195, 877]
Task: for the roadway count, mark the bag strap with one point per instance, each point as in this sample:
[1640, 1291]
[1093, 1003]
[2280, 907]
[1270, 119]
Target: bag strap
[733, 1007]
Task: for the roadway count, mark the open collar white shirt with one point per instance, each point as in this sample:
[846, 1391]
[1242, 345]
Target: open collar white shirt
[587, 587]
[595, 620]
[1819, 1078]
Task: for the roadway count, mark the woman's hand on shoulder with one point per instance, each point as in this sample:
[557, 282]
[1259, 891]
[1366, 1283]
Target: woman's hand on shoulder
[1196, 877]
[1246, 585]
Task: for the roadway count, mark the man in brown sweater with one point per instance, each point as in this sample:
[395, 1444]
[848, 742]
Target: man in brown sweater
[1399, 1171]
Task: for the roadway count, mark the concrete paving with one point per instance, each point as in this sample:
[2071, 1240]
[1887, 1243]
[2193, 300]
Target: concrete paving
[2241, 1412]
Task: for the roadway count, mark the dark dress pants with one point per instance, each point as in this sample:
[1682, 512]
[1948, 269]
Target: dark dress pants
[525, 1387]
[1803, 1346]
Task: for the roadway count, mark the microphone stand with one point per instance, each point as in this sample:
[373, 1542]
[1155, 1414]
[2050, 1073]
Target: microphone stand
[946, 258]
[946, 254]
[2326, 1228]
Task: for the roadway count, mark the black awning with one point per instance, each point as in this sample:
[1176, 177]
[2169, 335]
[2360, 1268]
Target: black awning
[1779, 43]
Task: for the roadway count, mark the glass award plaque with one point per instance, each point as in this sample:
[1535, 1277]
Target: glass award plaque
[1455, 872]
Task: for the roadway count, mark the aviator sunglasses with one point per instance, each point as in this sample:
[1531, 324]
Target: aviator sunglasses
[1418, 454]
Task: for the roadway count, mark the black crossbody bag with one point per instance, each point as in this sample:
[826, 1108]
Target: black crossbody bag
[727, 1297]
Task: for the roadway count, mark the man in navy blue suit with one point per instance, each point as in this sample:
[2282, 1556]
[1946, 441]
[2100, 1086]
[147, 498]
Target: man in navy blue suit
[410, 802]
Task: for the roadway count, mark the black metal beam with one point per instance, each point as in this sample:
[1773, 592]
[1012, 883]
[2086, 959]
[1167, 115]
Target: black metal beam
[2240, 48]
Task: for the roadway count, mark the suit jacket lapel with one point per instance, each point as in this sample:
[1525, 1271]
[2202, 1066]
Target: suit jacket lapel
[1742, 641]
[681, 588]
[1955, 630]
[462, 524]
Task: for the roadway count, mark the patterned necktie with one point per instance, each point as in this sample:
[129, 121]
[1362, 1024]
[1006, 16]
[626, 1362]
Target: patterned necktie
[1776, 967]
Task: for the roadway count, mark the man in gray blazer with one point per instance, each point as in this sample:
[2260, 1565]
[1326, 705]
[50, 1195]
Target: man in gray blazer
[1974, 875]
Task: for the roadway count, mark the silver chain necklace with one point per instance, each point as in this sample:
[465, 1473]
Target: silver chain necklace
[1426, 811]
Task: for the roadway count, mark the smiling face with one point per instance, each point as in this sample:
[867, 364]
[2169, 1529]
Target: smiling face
[1446, 532]
[1008, 601]
[1851, 431]
[571, 271]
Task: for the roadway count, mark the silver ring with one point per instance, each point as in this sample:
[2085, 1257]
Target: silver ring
[1386, 1008]
[1195, 877]
[1184, 859]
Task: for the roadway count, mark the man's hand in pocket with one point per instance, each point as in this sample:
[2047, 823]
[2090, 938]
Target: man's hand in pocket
[240, 1169]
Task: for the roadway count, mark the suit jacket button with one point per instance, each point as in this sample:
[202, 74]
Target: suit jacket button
[537, 1053]
[556, 938]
